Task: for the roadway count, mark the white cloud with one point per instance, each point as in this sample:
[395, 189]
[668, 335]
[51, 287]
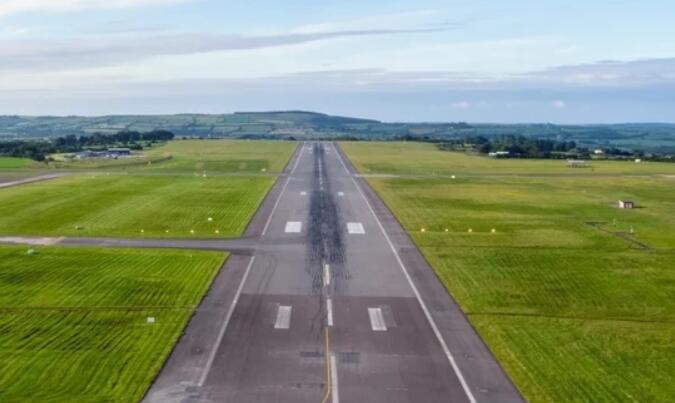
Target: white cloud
[461, 105]
[8, 7]
[559, 104]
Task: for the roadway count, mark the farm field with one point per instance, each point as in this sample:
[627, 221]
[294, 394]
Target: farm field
[223, 156]
[574, 296]
[407, 158]
[74, 321]
[123, 206]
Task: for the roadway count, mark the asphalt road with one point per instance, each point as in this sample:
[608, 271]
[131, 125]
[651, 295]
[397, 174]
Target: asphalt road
[332, 303]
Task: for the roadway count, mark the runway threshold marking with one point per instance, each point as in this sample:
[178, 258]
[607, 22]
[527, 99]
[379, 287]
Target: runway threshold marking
[283, 317]
[293, 227]
[355, 228]
[223, 328]
[377, 320]
[430, 319]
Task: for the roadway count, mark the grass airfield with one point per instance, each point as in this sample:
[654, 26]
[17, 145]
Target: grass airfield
[574, 296]
[123, 206]
[223, 156]
[74, 320]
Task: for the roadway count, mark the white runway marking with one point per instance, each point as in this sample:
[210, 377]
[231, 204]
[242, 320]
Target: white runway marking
[221, 334]
[303, 193]
[341, 194]
[283, 317]
[334, 379]
[293, 227]
[355, 228]
[430, 319]
[329, 312]
[326, 274]
[377, 320]
[276, 205]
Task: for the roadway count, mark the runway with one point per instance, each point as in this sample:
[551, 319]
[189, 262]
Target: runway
[333, 303]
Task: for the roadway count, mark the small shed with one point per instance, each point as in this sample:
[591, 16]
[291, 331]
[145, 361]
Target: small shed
[627, 204]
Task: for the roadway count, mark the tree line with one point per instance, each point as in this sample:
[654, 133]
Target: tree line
[40, 149]
[516, 146]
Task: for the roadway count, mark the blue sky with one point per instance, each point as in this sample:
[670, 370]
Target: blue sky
[423, 60]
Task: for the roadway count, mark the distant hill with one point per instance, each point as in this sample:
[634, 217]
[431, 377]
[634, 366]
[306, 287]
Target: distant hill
[304, 125]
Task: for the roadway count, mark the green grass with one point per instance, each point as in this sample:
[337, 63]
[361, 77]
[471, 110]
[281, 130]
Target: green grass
[9, 162]
[223, 156]
[424, 159]
[117, 206]
[574, 312]
[73, 321]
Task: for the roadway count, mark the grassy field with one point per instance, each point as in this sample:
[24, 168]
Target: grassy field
[196, 156]
[407, 158]
[9, 162]
[126, 205]
[74, 321]
[574, 296]
[223, 156]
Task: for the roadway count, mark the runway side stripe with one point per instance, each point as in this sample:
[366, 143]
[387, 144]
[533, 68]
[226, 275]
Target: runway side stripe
[274, 209]
[221, 334]
[297, 161]
[430, 319]
[281, 194]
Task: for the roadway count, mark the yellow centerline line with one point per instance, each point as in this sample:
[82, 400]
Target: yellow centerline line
[327, 360]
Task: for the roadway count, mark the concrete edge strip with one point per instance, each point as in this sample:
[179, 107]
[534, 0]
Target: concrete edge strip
[423, 305]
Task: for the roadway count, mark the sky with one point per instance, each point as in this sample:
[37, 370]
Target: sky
[600, 61]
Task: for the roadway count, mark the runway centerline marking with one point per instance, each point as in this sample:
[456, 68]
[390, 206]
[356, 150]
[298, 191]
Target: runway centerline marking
[377, 320]
[334, 379]
[221, 333]
[283, 317]
[355, 228]
[329, 312]
[293, 227]
[326, 274]
[418, 296]
[341, 194]
[303, 193]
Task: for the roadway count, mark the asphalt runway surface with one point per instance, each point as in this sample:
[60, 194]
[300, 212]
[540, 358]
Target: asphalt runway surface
[331, 303]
